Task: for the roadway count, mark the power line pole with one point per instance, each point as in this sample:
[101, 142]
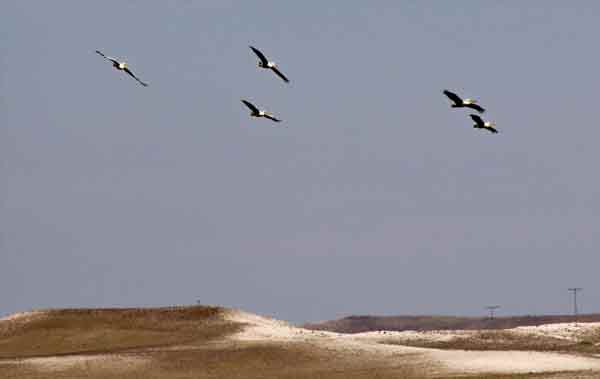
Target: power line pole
[492, 308]
[575, 290]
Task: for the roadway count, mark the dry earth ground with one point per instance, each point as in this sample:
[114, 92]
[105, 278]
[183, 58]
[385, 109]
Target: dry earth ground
[213, 342]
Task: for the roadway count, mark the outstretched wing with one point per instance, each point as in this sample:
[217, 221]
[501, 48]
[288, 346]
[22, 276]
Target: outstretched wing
[260, 56]
[251, 106]
[280, 74]
[477, 120]
[476, 107]
[135, 77]
[113, 60]
[454, 97]
[491, 129]
[272, 118]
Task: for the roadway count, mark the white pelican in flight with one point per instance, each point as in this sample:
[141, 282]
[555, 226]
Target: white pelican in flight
[479, 124]
[255, 112]
[266, 64]
[460, 103]
[122, 66]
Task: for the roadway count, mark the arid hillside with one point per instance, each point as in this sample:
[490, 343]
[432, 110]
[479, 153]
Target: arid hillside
[361, 324]
[214, 342]
[85, 331]
[176, 342]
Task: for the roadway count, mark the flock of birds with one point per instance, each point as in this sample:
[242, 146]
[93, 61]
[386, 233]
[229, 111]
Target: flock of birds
[471, 103]
[457, 101]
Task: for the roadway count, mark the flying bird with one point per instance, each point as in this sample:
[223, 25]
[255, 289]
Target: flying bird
[121, 66]
[460, 103]
[480, 124]
[266, 64]
[255, 112]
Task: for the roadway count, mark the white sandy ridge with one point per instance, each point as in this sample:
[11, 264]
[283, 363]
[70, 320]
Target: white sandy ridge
[455, 361]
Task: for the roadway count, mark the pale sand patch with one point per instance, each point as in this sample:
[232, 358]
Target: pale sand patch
[454, 361]
[461, 361]
[567, 331]
[261, 328]
[94, 361]
[413, 335]
[23, 316]
[258, 328]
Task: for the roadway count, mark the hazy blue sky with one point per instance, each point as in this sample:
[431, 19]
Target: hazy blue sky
[373, 197]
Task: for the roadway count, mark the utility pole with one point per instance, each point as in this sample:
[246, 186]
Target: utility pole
[575, 290]
[492, 308]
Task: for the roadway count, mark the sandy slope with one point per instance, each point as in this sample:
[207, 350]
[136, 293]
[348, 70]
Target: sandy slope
[260, 328]
[453, 361]
[372, 349]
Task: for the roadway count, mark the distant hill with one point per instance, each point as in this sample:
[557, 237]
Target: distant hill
[359, 324]
[86, 331]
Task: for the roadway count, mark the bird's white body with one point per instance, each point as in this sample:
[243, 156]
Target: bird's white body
[268, 65]
[121, 66]
[255, 112]
[480, 124]
[469, 101]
